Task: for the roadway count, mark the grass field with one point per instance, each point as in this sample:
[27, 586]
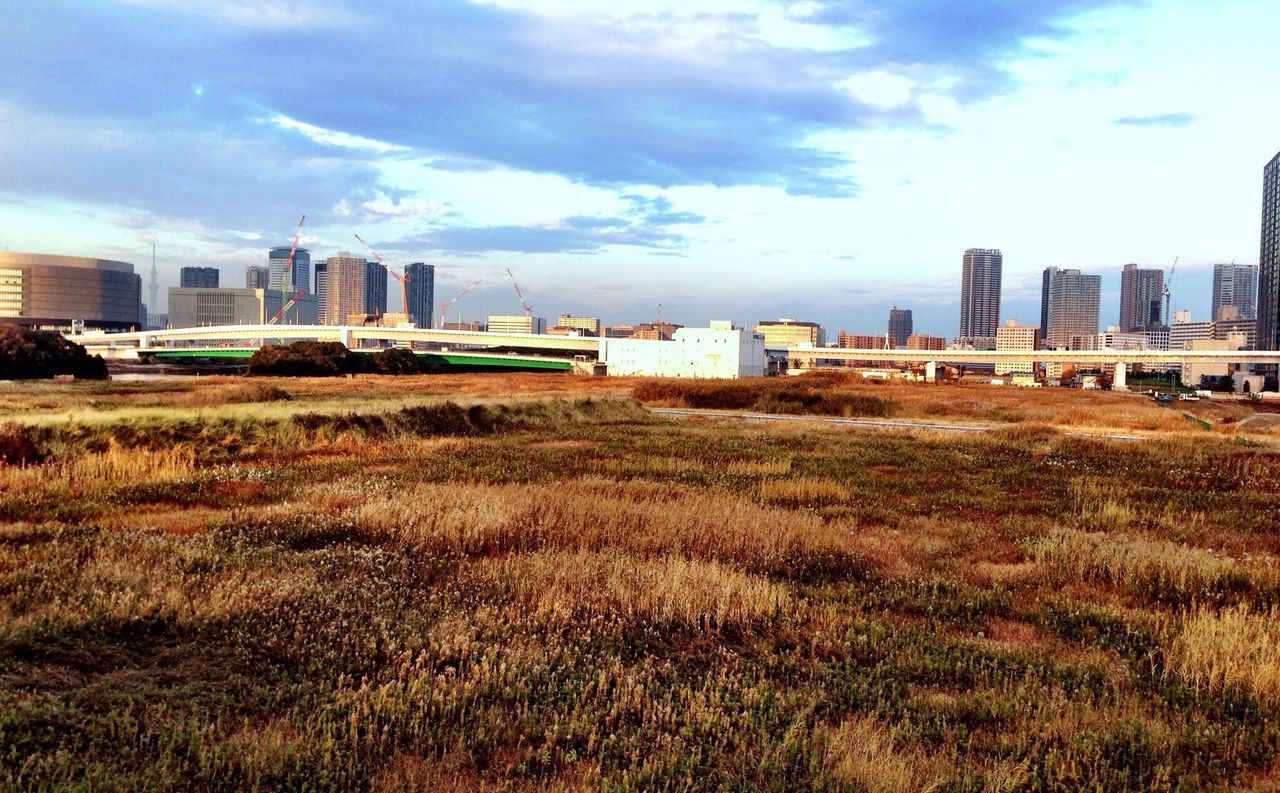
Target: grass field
[529, 582]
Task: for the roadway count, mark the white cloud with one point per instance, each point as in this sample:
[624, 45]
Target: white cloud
[880, 88]
[400, 210]
[330, 137]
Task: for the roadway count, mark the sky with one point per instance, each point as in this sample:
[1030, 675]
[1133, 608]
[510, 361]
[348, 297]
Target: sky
[745, 160]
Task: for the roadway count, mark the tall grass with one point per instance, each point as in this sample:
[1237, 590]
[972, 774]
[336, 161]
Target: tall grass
[1160, 568]
[595, 514]
[565, 587]
[1233, 648]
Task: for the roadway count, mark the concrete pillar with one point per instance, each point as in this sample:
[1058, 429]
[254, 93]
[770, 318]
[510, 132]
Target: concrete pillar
[1120, 381]
[144, 341]
[344, 336]
[931, 372]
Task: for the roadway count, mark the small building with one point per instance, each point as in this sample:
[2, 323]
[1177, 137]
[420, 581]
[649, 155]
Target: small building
[516, 323]
[718, 351]
[787, 332]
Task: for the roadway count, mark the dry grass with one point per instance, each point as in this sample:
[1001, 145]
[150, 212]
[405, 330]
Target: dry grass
[861, 753]
[595, 514]
[95, 473]
[1155, 566]
[1236, 647]
[565, 587]
[803, 491]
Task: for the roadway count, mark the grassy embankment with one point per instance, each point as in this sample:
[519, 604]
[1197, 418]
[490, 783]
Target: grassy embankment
[344, 585]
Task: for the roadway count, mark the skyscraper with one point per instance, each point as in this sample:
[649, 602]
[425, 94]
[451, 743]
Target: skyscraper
[1068, 306]
[899, 326]
[345, 289]
[420, 291]
[980, 293]
[1269, 259]
[1235, 285]
[298, 276]
[375, 289]
[198, 277]
[1141, 292]
[255, 277]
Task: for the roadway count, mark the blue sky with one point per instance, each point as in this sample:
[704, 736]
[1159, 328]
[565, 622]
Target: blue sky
[821, 159]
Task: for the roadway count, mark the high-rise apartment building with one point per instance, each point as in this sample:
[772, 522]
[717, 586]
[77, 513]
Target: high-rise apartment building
[345, 290]
[980, 293]
[375, 289]
[198, 277]
[286, 277]
[899, 327]
[1012, 336]
[255, 277]
[1141, 293]
[1235, 285]
[1068, 306]
[1269, 259]
[420, 291]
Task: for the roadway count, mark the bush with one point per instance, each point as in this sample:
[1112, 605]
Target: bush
[36, 355]
[811, 394]
[20, 445]
[330, 359]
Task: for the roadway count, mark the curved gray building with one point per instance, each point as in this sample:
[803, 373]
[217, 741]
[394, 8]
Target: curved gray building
[45, 291]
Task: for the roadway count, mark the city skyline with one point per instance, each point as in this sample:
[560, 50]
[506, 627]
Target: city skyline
[868, 125]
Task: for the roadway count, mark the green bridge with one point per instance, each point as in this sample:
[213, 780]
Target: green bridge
[451, 360]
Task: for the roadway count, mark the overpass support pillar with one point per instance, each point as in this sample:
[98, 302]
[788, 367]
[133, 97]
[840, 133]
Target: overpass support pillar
[345, 336]
[144, 341]
[931, 372]
[1120, 382]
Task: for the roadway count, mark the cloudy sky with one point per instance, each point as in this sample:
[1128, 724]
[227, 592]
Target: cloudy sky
[725, 158]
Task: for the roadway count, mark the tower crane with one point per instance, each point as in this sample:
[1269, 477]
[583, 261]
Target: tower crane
[284, 308]
[1168, 318]
[404, 292]
[288, 263]
[455, 298]
[528, 309]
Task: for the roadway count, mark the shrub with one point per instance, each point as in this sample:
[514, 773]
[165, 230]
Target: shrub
[36, 355]
[306, 359]
[20, 444]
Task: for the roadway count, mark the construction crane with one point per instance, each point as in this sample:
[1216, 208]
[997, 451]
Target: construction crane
[276, 316]
[455, 298]
[404, 292]
[288, 263]
[528, 309]
[1168, 318]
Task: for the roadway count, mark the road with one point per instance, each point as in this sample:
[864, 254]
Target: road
[873, 423]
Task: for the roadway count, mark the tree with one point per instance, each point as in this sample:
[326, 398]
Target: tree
[36, 355]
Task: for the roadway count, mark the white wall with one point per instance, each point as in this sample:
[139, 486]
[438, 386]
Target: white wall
[719, 351]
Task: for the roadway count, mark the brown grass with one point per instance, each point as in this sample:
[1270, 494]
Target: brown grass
[1236, 647]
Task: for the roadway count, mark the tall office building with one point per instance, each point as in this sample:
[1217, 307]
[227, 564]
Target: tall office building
[1068, 306]
[420, 291]
[980, 293]
[1141, 293]
[344, 288]
[255, 277]
[1235, 285]
[899, 327]
[375, 289]
[198, 277]
[1269, 259]
[298, 275]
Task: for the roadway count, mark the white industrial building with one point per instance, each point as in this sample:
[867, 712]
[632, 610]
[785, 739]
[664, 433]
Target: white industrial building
[720, 351]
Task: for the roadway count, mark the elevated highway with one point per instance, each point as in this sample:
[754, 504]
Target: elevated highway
[133, 344]
[209, 339]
